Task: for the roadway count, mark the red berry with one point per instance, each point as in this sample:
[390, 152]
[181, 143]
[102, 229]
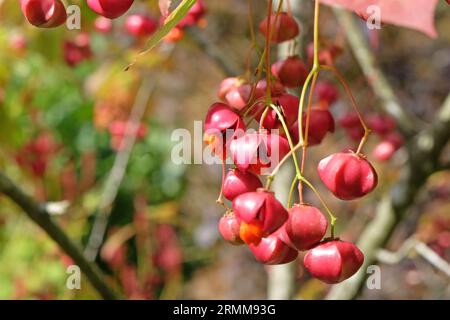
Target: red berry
[321, 122]
[110, 8]
[306, 226]
[103, 25]
[327, 54]
[237, 182]
[276, 88]
[229, 228]
[283, 28]
[289, 108]
[258, 152]
[197, 11]
[381, 124]
[227, 85]
[239, 97]
[383, 151]
[140, 25]
[347, 175]
[334, 261]
[222, 125]
[352, 125]
[272, 250]
[327, 92]
[260, 214]
[291, 72]
[44, 13]
[78, 50]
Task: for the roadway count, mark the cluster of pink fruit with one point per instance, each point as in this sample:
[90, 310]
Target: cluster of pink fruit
[273, 234]
[52, 13]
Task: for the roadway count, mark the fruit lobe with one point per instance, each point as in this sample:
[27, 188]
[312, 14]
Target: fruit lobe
[237, 182]
[44, 13]
[229, 229]
[306, 226]
[347, 175]
[283, 28]
[333, 261]
[291, 72]
[272, 250]
[110, 8]
[260, 209]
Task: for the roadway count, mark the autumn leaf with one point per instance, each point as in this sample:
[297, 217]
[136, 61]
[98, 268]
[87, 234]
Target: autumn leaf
[164, 6]
[413, 14]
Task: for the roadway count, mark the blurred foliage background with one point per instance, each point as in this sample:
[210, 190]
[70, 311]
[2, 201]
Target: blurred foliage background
[162, 243]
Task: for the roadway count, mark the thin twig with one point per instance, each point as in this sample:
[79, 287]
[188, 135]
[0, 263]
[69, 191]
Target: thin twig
[38, 213]
[412, 244]
[117, 173]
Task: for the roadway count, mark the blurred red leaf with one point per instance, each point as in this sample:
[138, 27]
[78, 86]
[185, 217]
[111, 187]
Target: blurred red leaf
[414, 14]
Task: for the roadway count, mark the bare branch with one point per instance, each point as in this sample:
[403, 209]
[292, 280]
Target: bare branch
[38, 213]
[117, 173]
[421, 248]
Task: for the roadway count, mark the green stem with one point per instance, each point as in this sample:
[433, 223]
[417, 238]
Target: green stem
[328, 210]
[291, 191]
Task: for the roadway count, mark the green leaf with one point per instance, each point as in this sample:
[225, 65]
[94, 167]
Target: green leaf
[172, 20]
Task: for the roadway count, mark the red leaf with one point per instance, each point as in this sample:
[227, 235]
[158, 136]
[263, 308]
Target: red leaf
[164, 6]
[414, 14]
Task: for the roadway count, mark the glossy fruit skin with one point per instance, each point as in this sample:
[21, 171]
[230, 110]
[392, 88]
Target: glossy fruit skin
[110, 8]
[272, 250]
[347, 175]
[238, 97]
[237, 182]
[261, 207]
[227, 85]
[229, 229]
[140, 25]
[283, 28]
[289, 105]
[291, 72]
[321, 122]
[44, 13]
[221, 123]
[258, 152]
[333, 261]
[305, 227]
[276, 88]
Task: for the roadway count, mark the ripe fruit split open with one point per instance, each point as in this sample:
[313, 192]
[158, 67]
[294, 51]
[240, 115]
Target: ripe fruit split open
[44, 13]
[261, 210]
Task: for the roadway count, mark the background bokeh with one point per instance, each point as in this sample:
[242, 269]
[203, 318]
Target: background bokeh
[56, 143]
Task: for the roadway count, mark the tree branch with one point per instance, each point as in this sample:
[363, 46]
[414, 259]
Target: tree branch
[375, 76]
[38, 213]
[117, 173]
